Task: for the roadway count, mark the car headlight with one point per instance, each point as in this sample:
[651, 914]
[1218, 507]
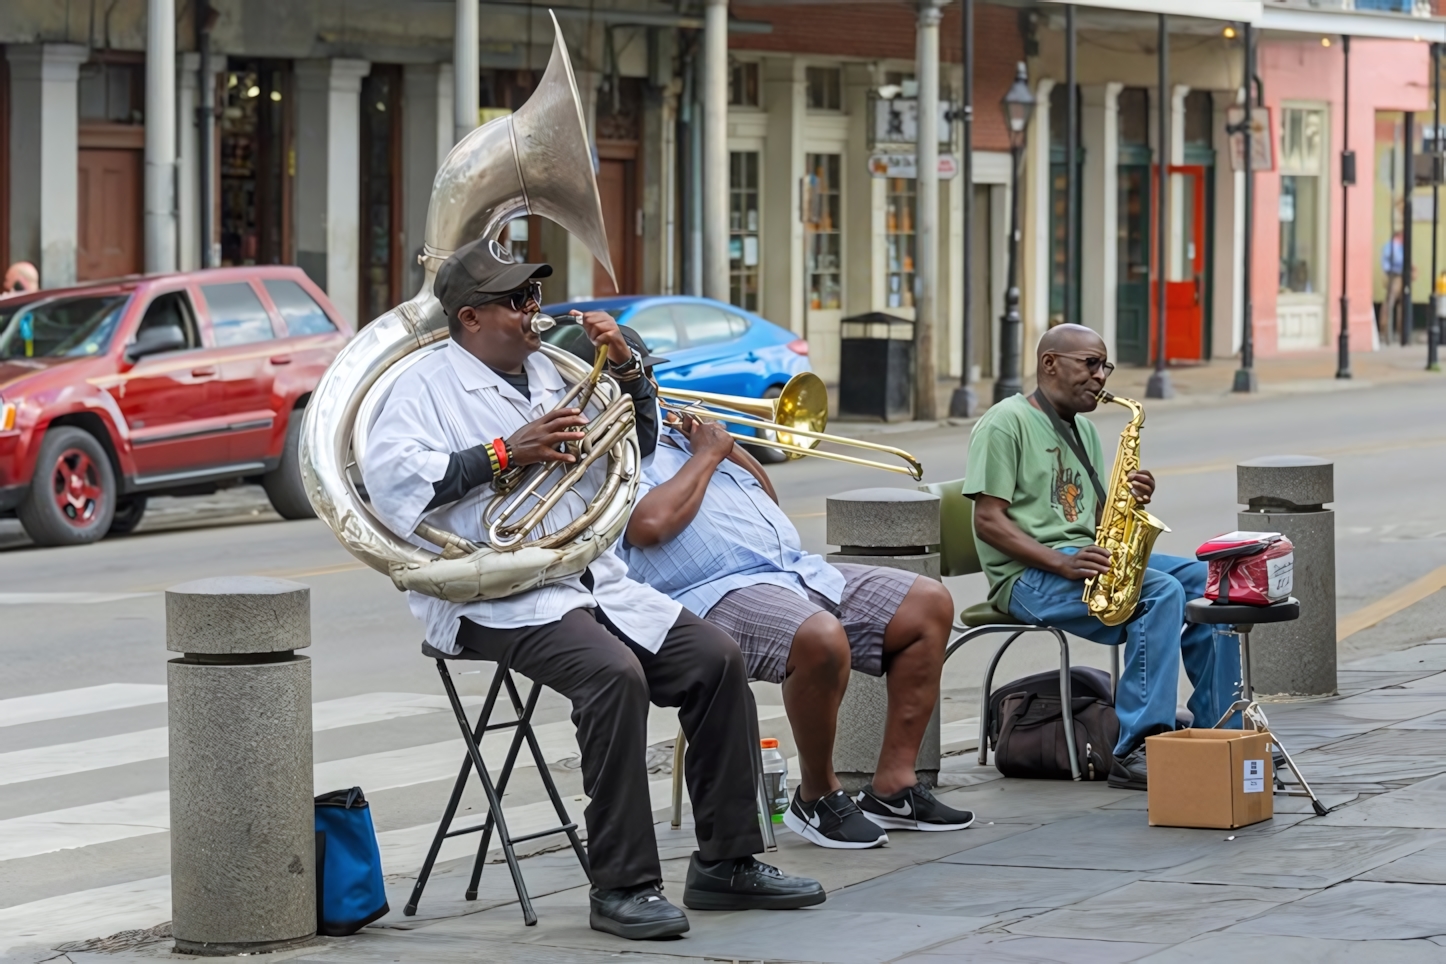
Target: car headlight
[7, 416]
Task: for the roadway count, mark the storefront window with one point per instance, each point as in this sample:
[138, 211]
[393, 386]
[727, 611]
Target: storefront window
[381, 189]
[743, 226]
[822, 222]
[899, 242]
[257, 164]
[1302, 155]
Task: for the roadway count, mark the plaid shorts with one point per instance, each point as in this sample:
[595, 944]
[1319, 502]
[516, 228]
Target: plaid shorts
[764, 618]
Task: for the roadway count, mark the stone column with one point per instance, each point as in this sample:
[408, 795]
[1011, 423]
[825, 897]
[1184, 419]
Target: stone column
[1099, 208]
[881, 527]
[243, 846]
[328, 177]
[1288, 493]
[188, 181]
[44, 158]
[160, 177]
[466, 97]
[1036, 267]
[782, 270]
[926, 214]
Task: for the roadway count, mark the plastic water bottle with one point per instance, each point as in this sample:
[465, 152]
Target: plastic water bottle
[775, 778]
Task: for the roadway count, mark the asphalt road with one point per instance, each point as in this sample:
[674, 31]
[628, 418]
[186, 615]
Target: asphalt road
[76, 619]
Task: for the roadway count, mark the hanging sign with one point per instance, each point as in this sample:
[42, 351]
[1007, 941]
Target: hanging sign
[1262, 143]
[896, 121]
[907, 165]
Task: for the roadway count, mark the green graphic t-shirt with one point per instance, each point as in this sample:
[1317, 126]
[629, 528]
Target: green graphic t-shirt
[1016, 455]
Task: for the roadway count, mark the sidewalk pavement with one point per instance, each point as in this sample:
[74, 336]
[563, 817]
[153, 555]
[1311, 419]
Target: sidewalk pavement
[1208, 383]
[1051, 871]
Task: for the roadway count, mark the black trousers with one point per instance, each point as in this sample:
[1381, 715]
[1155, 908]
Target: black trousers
[610, 681]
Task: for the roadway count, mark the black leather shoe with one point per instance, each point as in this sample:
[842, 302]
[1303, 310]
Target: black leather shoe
[745, 884]
[637, 913]
[1128, 773]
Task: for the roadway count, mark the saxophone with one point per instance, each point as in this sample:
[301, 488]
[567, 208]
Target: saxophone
[1125, 529]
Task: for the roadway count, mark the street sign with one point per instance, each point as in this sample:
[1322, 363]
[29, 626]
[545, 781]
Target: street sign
[907, 165]
[896, 121]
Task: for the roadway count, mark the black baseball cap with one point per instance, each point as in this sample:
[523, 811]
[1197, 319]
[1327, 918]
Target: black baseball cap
[481, 267]
[569, 336]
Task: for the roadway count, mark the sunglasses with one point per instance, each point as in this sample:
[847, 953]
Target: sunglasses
[1094, 363]
[519, 300]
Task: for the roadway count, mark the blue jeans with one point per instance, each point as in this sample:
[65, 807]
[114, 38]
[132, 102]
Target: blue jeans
[1154, 644]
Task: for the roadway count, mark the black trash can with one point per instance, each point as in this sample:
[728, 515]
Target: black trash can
[876, 367]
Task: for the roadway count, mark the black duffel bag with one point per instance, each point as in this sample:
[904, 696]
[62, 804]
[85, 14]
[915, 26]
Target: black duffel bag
[1026, 726]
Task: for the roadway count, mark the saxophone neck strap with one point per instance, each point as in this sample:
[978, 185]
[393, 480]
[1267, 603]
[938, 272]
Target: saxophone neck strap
[1068, 433]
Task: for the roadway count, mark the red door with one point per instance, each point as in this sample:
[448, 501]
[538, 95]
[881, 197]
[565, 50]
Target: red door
[617, 188]
[1185, 268]
[109, 208]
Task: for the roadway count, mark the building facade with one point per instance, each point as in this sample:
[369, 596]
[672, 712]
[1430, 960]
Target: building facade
[330, 120]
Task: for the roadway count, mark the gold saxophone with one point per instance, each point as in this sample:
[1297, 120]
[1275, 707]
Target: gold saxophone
[1125, 529]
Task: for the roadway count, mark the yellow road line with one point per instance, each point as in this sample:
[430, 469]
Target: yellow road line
[1389, 605]
[320, 571]
[1368, 449]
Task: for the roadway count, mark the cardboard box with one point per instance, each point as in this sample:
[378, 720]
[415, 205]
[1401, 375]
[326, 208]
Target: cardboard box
[1210, 778]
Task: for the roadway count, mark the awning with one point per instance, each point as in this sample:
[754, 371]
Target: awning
[1242, 11]
[1382, 26]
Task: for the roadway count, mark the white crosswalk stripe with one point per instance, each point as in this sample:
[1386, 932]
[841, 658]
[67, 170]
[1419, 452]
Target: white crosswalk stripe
[80, 702]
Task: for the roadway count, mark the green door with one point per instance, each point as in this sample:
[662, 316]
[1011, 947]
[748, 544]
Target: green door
[1132, 292]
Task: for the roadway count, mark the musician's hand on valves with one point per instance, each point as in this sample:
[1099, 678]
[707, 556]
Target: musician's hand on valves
[709, 440]
[1081, 565]
[1142, 484]
[601, 329]
[541, 441]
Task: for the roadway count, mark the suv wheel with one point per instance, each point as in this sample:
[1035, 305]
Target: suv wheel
[283, 485]
[128, 514]
[73, 494]
[765, 453]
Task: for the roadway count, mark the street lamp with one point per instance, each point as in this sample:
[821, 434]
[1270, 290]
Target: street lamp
[1018, 105]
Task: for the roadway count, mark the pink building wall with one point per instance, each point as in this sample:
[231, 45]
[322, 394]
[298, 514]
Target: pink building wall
[1385, 75]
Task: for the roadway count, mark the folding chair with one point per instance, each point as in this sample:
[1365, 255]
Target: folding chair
[472, 736]
[959, 556]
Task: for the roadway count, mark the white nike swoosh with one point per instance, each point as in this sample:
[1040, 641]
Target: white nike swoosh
[902, 811]
[814, 821]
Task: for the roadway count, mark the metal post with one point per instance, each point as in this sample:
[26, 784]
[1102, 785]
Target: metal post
[1159, 385]
[1009, 380]
[160, 229]
[1245, 380]
[1408, 187]
[961, 405]
[926, 215]
[1071, 167]
[206, 133]
[715, 151]
[1432, 332]
[465, 95]
[243, 837]
[1348, 177]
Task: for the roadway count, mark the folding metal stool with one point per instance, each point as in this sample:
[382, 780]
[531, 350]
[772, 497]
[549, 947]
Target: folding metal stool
[472, 736]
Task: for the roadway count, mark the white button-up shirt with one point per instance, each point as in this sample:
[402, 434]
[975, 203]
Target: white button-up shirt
[451, 401]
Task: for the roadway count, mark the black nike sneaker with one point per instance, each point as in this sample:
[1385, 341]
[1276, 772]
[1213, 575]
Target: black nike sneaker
[913, 808]
[833, 821]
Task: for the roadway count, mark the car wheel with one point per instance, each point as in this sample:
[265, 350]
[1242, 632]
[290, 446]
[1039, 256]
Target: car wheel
[128, 514]
[283, 485]
[73, 493]
[766, 453]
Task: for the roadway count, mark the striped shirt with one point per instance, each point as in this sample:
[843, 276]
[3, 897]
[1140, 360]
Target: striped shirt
[738, 538]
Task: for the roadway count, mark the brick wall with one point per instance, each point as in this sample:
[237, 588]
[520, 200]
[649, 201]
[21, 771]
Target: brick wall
[887, 31]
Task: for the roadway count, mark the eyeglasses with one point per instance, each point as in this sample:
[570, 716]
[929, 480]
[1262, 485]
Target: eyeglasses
[1094, 363]
[519, 300]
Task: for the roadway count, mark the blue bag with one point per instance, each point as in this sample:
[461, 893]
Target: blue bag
[349, 889]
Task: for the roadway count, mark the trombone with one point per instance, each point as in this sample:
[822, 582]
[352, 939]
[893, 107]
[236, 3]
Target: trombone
[796, 418]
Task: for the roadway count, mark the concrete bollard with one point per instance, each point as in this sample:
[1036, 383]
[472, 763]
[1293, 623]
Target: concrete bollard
[1288, 493]
[243, 840]
[881, 527]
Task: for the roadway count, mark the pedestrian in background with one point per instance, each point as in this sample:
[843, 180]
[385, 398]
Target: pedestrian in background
[20, 278]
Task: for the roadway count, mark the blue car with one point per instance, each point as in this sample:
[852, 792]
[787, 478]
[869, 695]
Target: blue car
[710, 346]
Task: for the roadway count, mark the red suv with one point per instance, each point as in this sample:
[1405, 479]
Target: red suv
[167, 385]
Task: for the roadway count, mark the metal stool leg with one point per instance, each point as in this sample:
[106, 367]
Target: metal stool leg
[984, 692]
[1066, 697]
[1252, 717]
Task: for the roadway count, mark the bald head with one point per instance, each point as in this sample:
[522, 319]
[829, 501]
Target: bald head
[22, 276]
[1070, 338]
